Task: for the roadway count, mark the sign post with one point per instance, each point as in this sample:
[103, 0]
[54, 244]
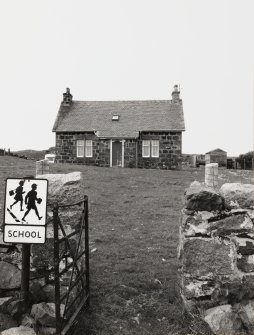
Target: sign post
[25, 219]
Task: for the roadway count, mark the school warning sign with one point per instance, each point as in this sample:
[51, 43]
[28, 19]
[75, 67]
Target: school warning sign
[25, 210]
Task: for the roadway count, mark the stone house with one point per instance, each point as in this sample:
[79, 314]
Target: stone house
[139, 134]
[216, 156]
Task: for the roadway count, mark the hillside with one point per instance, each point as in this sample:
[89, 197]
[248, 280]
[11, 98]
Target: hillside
[33, 154]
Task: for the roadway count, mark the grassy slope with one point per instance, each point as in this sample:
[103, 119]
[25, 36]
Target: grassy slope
[134, 220]
[31, 154]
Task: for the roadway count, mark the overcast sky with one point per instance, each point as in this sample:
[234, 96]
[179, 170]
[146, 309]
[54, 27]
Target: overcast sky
[128, 50]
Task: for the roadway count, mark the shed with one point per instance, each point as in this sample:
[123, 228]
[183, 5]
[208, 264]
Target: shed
[216, 156]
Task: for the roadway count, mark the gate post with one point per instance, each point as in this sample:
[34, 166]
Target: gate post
[56, 267]
[25, 274]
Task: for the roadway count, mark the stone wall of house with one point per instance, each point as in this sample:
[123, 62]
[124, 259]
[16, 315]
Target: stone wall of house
[170, 150]
[67, 151]
[216, 256]
[130, 153]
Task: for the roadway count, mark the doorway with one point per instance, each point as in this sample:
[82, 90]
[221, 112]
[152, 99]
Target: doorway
[117, 153]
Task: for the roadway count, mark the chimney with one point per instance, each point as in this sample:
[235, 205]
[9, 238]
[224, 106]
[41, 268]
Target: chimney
[176, 95]
[67, 98]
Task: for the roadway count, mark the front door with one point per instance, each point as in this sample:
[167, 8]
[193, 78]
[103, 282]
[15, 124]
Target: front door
[116, 153]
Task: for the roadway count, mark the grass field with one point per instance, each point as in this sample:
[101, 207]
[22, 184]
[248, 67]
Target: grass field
[134, 220]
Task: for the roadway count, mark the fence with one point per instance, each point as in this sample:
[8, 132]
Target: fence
[71, 265]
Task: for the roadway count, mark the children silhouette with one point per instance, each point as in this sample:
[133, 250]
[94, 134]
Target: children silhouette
[19, 197]
[30, 199]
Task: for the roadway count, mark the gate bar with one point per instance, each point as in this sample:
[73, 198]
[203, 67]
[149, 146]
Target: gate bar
[87, 249]
[56, 266]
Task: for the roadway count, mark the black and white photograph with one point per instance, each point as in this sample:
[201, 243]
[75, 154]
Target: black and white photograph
[126, 167]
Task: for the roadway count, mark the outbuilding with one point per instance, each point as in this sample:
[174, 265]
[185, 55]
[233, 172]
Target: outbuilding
[216, 156]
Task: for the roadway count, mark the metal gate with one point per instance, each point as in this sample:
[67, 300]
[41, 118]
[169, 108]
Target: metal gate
[71, 265]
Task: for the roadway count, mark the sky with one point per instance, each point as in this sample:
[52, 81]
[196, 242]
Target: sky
[129, 50]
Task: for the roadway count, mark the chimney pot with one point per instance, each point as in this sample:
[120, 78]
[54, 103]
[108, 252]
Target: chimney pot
[176, 95]
[67, 98]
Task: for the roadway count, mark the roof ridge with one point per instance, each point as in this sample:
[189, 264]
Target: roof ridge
[147, 100]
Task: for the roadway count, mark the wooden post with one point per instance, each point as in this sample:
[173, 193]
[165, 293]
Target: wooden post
[25, 274]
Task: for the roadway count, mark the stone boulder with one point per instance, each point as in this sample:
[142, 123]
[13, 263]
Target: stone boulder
[45, 330]
[17, 307]
[199, 197]
[246, 263]
[4, 247]
[64, 188]
[4, 302]
[11, 278]
[238, 195]
[207, 258]
[223, 320]
[21, 330]
[239, 223]
[6, 322]
[45, 314]
[247, 315]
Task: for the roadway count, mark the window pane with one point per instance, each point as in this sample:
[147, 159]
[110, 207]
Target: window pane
[146, 148]
[89, 148]
[155, 148]
[80, 148]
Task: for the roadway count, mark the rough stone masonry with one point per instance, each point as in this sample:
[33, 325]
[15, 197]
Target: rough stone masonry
[39, 318]
[216, 256]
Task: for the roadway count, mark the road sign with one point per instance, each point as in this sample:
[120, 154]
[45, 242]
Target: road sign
[25, 210]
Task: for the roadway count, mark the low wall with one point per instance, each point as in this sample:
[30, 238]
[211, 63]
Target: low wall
[15, 316]
[216, 256]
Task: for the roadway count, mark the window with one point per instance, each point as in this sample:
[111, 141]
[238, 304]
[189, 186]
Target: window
[155, 148]
[145, 148]
[80, 148]
[150, 148]
[84, 148]
[89, 148]
[115, 117]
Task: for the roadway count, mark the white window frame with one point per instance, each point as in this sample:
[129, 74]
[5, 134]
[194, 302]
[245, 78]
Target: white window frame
[145, 145]
[80, 148]
[155, 146]
[89, 148]
[150, 148]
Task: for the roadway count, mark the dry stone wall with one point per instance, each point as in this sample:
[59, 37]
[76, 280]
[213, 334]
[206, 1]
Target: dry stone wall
[216, 256]
[39, 317]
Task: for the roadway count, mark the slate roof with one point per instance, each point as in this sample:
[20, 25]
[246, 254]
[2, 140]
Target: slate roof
[216, 151]
[134, 116]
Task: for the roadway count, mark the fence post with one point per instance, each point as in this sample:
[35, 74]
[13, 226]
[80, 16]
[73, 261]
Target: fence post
[56, 268]
[25, 274]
